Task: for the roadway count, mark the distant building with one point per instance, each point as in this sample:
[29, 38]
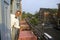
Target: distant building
[5, 33]
[58, 16]
[46, 15]
[58, 10]
[42, 12]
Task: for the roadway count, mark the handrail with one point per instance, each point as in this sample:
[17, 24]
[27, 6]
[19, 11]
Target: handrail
[38, 32]
[35, 28]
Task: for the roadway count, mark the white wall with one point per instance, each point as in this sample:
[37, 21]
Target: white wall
[5, 20]
[14, 7]
[0, 13]
[0, 20]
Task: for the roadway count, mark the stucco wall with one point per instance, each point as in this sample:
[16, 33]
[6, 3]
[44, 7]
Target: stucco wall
[5, 20]
[14, 7]
[0, 20]
[0, 13]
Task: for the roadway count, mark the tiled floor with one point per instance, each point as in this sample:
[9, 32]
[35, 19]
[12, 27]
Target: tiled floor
[25, 33]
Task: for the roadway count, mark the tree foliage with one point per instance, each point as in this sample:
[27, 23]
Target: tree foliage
[34, 19]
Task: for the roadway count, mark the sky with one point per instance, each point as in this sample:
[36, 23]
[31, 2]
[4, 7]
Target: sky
[34, 5]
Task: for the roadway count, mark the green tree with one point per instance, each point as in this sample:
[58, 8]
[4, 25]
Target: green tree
[24, 15]
[34, 21]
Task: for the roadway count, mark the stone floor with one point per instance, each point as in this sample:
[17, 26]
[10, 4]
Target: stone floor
[25, 32]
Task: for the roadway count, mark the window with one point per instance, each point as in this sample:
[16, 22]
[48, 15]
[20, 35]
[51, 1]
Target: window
[18, 5]
[59, 22]
[17, 1]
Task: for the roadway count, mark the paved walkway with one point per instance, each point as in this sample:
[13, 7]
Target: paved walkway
[24, 25]
[25, 32]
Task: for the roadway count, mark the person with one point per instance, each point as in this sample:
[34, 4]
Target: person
[14, 26]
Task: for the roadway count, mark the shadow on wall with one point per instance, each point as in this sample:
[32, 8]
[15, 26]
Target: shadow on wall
[0, 30]
[0, 34]
[5, 32]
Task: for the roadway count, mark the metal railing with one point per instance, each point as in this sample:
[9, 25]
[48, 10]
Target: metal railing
[38, 31]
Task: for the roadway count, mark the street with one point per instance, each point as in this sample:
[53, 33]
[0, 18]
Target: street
[54, 33]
